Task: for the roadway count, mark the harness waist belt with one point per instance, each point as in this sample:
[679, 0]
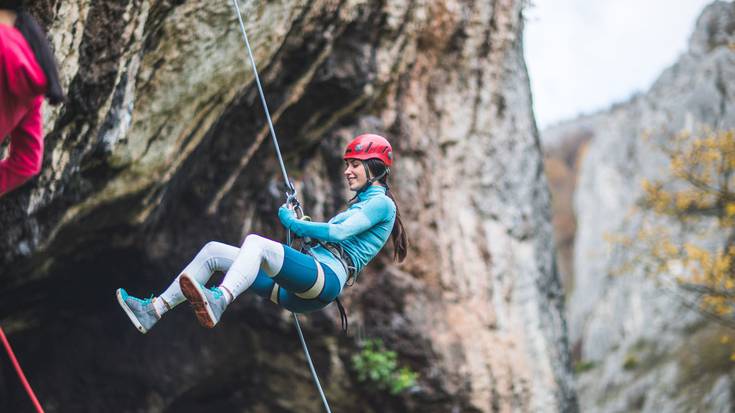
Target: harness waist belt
[340, 254]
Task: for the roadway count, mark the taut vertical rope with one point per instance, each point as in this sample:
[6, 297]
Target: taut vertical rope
[262, 95]
[19, 370]
[290, 191]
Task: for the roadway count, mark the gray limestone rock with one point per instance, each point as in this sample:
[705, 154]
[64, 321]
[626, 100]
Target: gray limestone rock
[163, 147]
[638, 334]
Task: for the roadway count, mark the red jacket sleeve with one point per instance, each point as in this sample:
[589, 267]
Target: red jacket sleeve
[26, 150]
[24, 76]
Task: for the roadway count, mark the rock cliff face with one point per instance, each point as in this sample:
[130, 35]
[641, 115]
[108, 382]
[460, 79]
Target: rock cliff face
[647, 351]
[162, 146]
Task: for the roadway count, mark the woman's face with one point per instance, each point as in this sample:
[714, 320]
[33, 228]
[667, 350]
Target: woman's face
[355, 174]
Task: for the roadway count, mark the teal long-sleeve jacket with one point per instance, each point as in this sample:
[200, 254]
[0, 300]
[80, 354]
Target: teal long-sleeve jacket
[361, 230]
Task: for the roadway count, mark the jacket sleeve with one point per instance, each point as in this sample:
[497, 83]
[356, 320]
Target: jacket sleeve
[26, 150]
[372, 213]
[25, 78]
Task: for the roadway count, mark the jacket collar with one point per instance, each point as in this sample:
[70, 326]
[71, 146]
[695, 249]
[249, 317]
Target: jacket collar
[370, 192]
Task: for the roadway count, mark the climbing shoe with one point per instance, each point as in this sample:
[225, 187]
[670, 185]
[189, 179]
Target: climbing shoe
[140, 312]
[208, 303]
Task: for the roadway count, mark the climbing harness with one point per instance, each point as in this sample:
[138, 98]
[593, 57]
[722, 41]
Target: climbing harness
[19, 370]
[290, 192]
[339, 253]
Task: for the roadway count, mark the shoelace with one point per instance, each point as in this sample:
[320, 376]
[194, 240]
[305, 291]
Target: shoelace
[216, 292]
[147, 301]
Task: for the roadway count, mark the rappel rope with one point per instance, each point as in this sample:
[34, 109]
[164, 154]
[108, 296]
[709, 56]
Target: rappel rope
[290, 191]
[262, 96]
[19, 370]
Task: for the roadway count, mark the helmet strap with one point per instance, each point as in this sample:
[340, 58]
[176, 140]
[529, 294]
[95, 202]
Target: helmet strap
[370, 181]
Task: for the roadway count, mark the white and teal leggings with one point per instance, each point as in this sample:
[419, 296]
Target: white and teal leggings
[270, 269]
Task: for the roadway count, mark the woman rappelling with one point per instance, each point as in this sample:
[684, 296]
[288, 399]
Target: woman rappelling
[28, 71]
[297, 281]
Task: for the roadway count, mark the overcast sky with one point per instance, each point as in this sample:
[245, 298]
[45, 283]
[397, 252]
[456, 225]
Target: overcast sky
[584, 55]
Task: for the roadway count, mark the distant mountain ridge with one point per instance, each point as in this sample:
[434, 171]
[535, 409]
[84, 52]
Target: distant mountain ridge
[641, 349]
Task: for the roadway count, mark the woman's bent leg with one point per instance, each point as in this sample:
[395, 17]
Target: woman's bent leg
[265, 287]
[145, 313]
[307, 278]
[209, 304]
[301, 285]
[305, 284]
[292, 302]
[214, 256]
[257, 254]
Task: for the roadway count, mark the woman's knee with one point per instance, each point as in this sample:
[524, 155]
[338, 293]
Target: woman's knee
[211, 247]
[271, 251]
[218, 249]
[253, 240]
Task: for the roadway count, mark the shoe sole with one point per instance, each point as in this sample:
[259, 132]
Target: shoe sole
[198, 302]
[129, 312]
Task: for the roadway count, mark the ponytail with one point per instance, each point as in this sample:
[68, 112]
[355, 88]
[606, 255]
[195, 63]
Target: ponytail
[36, 38]
[398, 235]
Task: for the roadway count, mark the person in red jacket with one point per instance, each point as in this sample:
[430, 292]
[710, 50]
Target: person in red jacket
[28, 72]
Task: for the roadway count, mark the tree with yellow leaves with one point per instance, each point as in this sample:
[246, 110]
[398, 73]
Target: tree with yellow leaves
[698, 194]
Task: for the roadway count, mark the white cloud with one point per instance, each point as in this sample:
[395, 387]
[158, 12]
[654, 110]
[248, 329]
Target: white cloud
[584, 55]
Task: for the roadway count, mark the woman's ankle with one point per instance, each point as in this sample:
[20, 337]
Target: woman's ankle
[161, 306]
[228, 294]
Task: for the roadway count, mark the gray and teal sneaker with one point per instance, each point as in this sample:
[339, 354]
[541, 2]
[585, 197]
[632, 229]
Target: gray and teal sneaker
[208, 303]
[141, 312]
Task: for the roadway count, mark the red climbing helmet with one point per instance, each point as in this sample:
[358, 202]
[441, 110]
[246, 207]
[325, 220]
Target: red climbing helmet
[370, 146]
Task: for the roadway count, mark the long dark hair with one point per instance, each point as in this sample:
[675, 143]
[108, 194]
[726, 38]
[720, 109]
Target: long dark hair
[376, 168]
[36, 38]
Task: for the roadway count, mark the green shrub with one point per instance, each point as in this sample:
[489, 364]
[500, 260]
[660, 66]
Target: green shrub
[379, 366]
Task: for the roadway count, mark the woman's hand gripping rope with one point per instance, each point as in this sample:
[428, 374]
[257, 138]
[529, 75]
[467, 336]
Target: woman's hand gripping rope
[291, 212]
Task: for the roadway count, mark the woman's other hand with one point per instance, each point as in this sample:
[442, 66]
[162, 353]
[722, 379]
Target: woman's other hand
[287, 215]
